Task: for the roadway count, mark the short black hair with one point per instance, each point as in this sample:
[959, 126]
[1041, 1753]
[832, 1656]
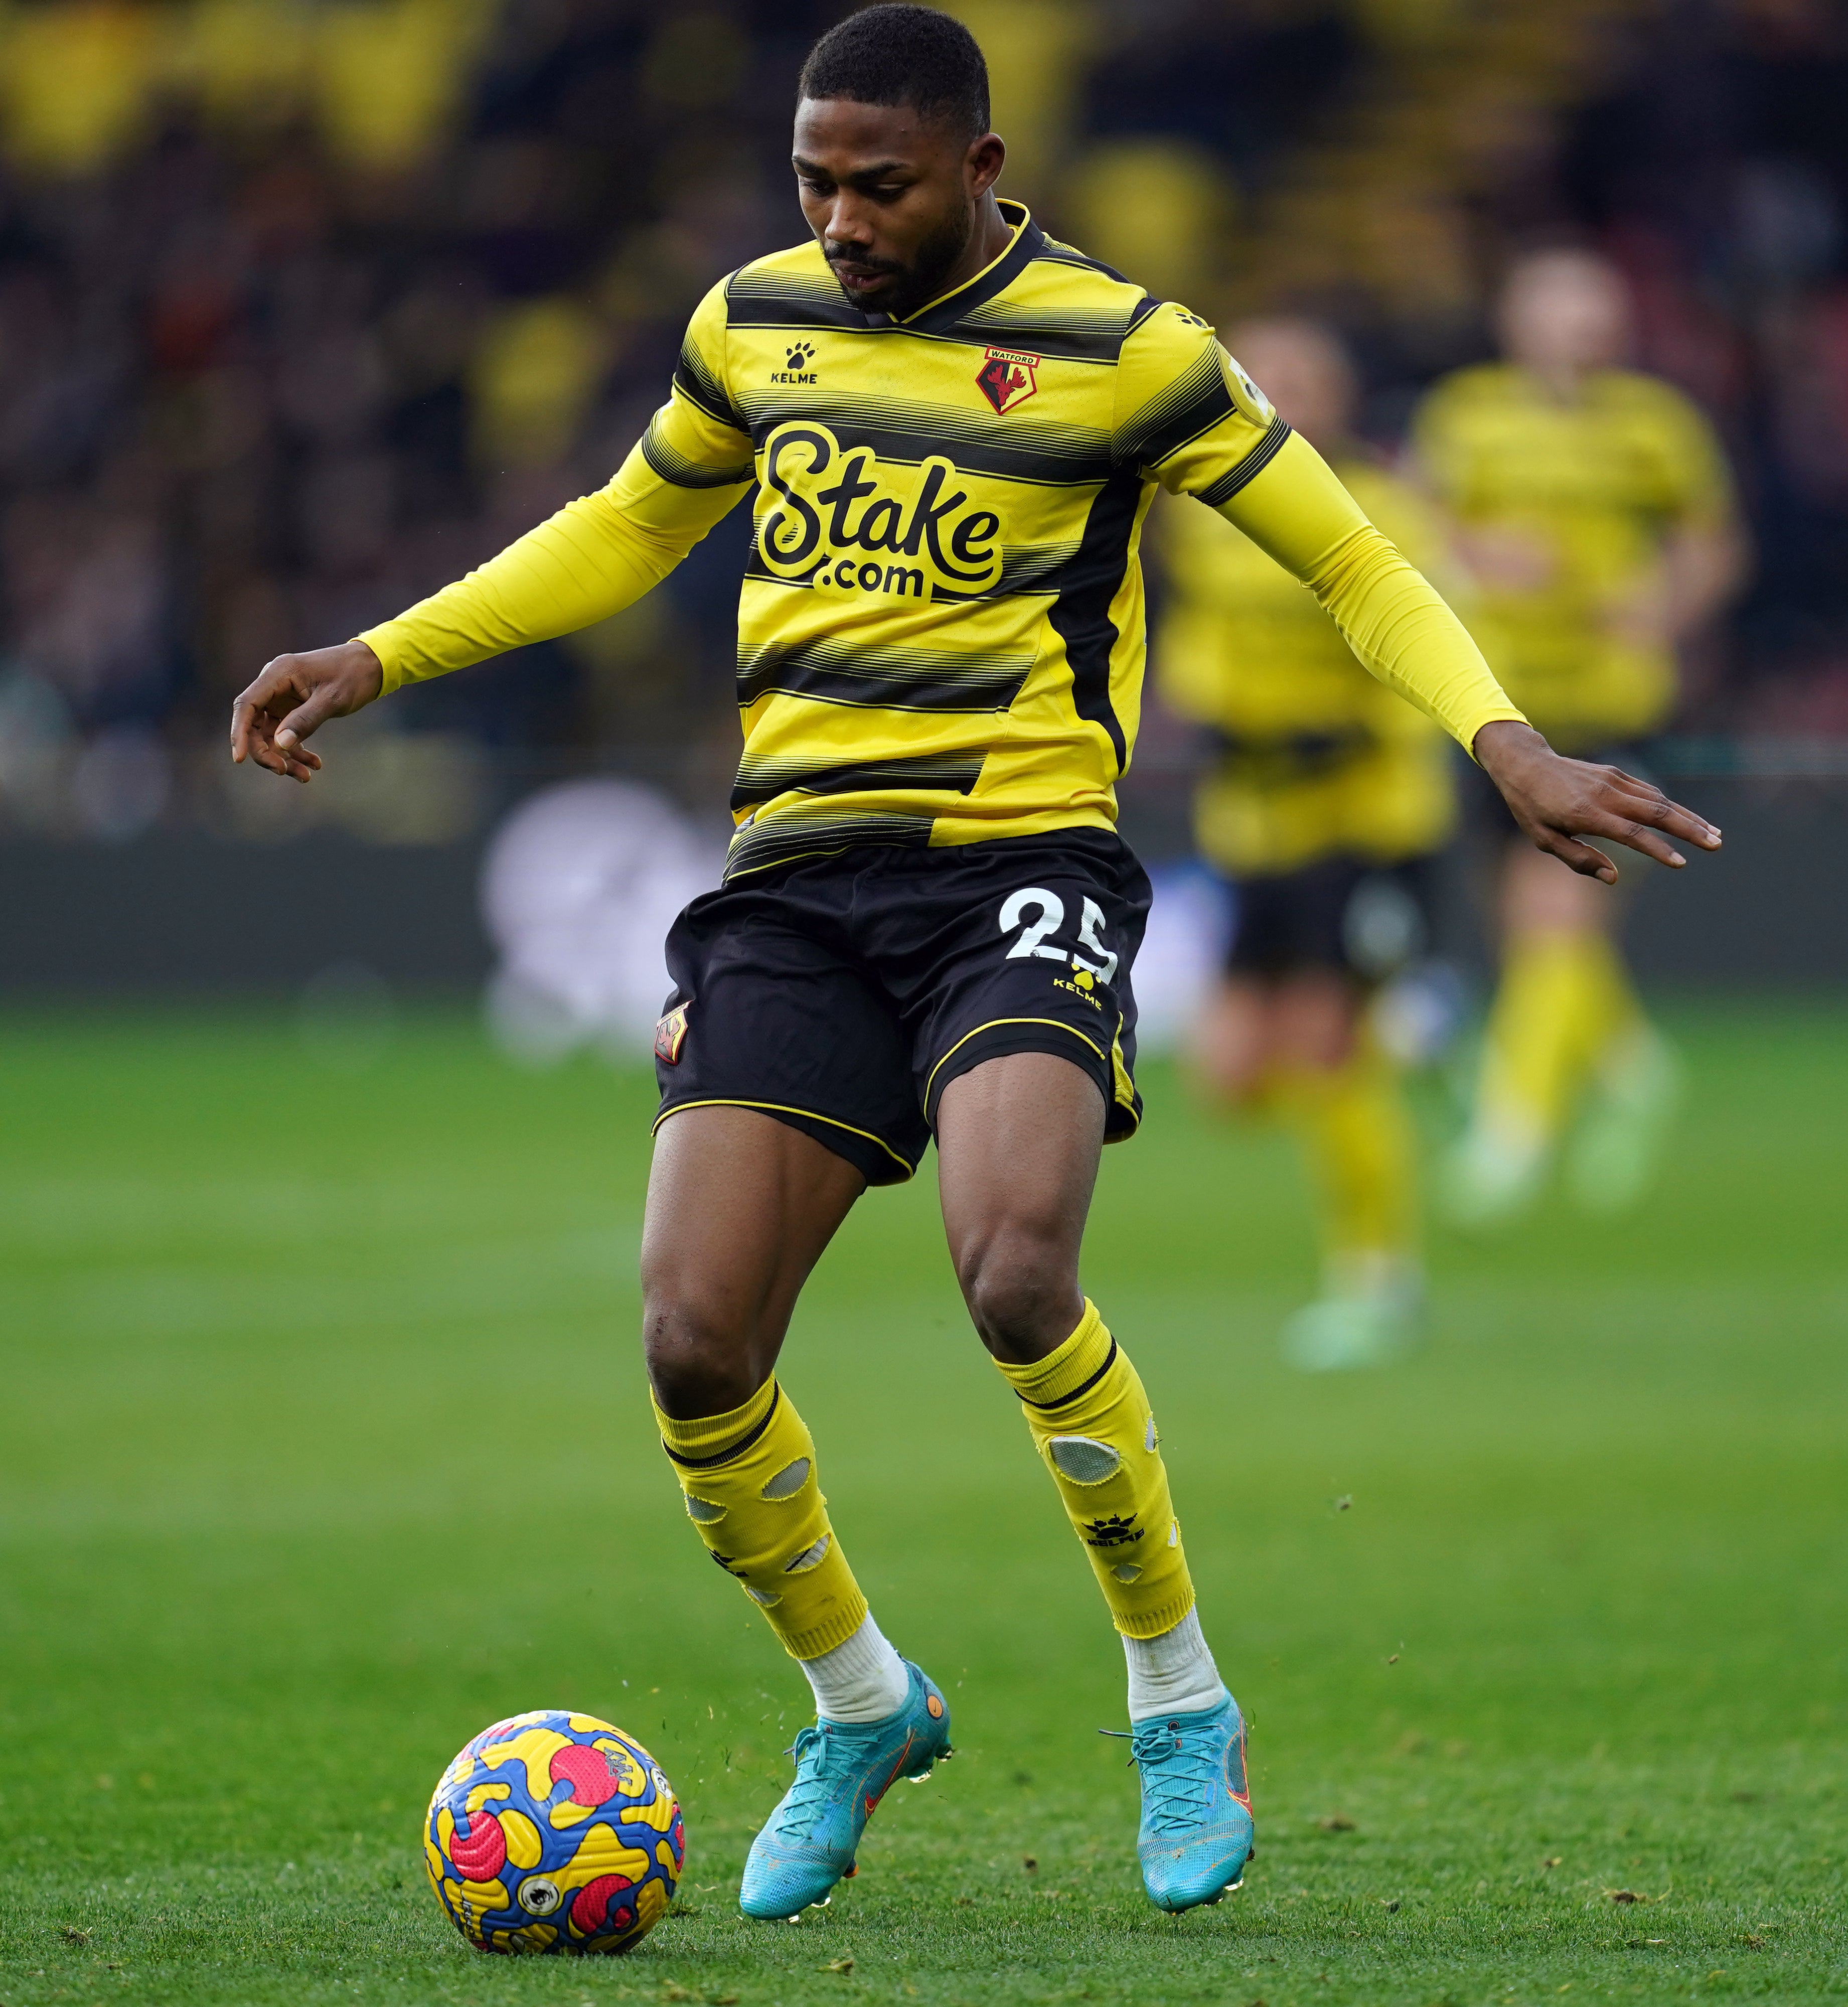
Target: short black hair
[903, 56]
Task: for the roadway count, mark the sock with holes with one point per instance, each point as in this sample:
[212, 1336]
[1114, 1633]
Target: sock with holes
[751, 1490]
[1092, 1421]
[1173, 1674]
[863, 1680]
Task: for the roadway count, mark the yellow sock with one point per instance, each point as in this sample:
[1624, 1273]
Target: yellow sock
[1357, 1131]
[1563, 998]
[752, 1491]
[1090, 1421]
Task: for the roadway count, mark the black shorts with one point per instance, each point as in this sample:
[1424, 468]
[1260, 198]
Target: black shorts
[1365, 920]
[1485, 814]
[843, 994]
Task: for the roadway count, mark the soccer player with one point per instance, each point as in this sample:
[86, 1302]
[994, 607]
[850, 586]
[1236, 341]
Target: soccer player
[1328, 795]
[1594, 516]
[953, 426]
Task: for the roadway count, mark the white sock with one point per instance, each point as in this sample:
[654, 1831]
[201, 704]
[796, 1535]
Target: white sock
[1173, 1674]
[864, 1680]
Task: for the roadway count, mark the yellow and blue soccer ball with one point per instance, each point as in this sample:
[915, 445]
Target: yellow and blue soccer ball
[554, 1832]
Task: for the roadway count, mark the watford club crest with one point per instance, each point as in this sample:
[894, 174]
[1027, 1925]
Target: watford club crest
[1008, 378]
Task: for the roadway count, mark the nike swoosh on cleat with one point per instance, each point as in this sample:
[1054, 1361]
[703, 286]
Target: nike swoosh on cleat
[873, 1798]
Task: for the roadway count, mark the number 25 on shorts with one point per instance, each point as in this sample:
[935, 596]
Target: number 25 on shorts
[1048, 918]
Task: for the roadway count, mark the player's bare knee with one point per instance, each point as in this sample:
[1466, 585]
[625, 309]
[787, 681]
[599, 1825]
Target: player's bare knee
[1022, 1291]
[702, 1357]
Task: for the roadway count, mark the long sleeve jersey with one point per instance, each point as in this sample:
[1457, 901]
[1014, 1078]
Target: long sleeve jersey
[940, 626]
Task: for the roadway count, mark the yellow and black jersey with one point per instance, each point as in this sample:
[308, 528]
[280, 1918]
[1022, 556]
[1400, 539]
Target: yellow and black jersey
[1580, 497]
[1316, 757]
[940, 630]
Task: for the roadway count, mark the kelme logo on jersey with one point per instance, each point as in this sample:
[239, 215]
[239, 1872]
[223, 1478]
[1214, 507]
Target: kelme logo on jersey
[1008, 378]
[801, 355]
[846, 521]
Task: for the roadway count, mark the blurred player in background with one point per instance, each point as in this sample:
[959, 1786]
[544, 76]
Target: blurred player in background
[1327, 797]
[1593, 517]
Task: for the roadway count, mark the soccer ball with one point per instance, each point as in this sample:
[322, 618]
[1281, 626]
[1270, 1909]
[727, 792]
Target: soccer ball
[554, 1832]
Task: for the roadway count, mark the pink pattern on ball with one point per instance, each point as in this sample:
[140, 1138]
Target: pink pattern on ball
[590, 1907]
[588, 1772]
[482, 1854]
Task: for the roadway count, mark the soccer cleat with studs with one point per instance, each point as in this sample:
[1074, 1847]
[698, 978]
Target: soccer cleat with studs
[842, 1771]
[1196, 1833]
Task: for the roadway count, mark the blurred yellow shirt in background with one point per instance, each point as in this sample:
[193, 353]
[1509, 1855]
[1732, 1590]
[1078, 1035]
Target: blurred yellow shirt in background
[1567, 507]
[1318, 758]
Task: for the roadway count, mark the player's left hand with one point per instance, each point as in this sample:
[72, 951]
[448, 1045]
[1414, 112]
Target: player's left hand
[1559, 801]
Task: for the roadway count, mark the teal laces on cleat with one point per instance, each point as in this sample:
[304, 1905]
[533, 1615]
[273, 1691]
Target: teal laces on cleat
[842, 1771]
[1197, 1832]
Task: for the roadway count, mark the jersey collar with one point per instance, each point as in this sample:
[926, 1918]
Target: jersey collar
[942, 314]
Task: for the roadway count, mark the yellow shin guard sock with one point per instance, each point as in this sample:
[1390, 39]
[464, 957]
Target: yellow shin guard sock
[752, 1491]
[1090, 1421]
[1562, 999]
[1357, 1133]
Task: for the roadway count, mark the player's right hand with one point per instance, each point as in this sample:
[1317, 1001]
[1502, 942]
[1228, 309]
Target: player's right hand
[293, 696]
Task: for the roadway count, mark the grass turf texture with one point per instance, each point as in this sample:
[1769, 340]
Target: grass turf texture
[324, 1443]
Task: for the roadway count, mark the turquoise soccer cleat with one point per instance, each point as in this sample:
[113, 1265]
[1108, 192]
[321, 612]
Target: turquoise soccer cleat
[1197, 1832]
[842, 1771]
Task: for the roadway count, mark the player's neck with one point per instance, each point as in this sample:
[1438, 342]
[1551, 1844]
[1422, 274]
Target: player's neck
[987, 241]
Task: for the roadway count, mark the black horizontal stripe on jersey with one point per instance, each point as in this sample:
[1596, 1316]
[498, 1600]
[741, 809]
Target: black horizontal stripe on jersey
[881, 678]
[1025, 568]
[696, 383]
[1047, 455]
[1080, 614]
[1216, 493]
[674, 467]
[1054, 253]
[762, 780]
[1059, 337]
[799, 312]
[784, 839]
[1069, 335]
[1195, 401]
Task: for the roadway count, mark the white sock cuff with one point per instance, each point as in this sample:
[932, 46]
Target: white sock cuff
[1173, 1674]
[862, 1679]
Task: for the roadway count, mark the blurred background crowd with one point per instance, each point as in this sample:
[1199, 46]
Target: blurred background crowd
[306, 304]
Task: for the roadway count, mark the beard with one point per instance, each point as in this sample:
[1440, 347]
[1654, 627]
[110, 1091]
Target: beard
[915, 284]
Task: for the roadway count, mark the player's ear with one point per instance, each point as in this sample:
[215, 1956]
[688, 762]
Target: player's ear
[982, 164]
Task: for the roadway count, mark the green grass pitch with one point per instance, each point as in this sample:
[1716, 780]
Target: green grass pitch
[323, 1444]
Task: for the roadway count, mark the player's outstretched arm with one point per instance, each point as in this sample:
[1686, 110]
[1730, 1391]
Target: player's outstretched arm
[1559, 802]
[594, 557]
[1401, 629]
[273, 719]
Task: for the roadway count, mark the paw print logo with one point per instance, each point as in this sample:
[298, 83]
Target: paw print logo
[1111, 1531]
[802, 355]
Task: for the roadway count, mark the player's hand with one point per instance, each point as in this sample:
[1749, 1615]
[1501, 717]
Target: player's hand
[1558, 801]
[292, 696]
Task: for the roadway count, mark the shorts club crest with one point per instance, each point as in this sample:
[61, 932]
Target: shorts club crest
[670, 1035]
